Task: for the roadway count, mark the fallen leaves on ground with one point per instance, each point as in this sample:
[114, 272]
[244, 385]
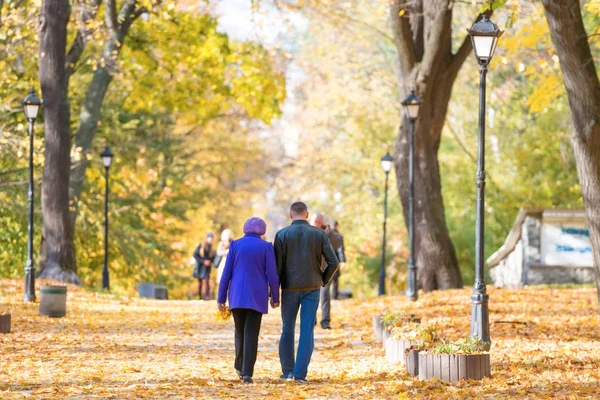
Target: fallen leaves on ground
[545, 344]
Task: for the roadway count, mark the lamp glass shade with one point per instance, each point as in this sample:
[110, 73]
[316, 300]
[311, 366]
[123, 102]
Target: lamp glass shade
[484, 36]
[106, 156]
[31, 105]
[107, 161]
[412, 110]
[386, 162]
[31, 110]
[484, 47]
[411, 105]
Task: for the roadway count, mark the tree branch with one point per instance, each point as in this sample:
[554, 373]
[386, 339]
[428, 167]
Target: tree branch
[111, 14]
[403, 37]
[463, 51]
[461, 55]
[438, 34]
[88, 13]
[127, 22]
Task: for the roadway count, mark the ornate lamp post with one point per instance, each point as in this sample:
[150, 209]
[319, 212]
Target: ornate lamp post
[107, 156]
[411, 109]
[386, 163]
[484, 35]
[31, 107]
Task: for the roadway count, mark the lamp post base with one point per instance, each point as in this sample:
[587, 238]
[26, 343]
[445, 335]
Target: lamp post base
[480, 317]
[29, 283]
[411, 296]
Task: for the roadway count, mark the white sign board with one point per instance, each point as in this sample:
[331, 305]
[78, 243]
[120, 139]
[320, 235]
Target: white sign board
[566, 244]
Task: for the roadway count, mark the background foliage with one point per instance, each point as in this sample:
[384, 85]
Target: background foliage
[188, 119]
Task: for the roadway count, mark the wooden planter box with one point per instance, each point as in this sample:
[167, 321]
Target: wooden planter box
[452, 367]
[411, 359]
[386, 336]
[378, 327]
[5, 323]
[395, 350]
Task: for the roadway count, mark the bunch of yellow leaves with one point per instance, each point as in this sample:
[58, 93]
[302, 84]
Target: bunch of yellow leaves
[223, 315]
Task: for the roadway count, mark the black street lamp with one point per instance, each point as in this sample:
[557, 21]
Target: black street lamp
[411, 109]
[386, 163]
[484, 35]
[107, 156]
[31, 107]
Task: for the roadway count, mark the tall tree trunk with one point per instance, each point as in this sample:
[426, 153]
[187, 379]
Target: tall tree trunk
[583, 89]
[57, 260]
[423, 36]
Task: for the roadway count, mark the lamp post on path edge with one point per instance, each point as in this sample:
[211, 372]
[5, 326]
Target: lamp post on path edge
[484, 36]
[107, 156]
[31, 108]
[386, 163]
[411, 109]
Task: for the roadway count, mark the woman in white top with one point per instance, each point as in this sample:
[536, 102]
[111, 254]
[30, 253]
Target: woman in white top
[222, 251]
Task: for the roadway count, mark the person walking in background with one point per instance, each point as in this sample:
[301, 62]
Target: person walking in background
[299, 249]
[341, 255]
[335, 240]
[250, 277]
[222, 251]
[204, 256]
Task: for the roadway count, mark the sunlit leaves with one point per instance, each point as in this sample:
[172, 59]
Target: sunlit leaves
[544, 345]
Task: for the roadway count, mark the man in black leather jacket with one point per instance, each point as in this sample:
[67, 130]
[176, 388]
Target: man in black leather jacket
[299, 250]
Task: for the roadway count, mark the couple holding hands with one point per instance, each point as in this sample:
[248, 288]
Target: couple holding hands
[301, 261]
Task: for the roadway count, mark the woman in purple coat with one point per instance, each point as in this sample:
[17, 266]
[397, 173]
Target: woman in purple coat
[250, 277]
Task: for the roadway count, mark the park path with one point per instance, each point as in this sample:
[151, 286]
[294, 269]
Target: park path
[135, 348]
[545, 344]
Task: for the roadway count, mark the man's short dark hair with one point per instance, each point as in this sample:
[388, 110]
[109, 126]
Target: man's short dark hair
[298, 208]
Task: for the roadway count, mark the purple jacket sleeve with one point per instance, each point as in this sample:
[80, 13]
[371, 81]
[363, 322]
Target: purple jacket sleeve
[227, 274]
[271, 270]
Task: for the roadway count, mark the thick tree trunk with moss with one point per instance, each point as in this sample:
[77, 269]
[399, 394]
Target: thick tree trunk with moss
[57, 259]
[423, 37]
[583, 89]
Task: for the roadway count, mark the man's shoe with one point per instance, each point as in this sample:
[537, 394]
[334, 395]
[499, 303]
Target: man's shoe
[247, 379]
[300, 380]
[325, 326]
[286, 377]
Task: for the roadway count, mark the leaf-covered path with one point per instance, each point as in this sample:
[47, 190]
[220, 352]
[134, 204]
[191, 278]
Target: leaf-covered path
[124, 348]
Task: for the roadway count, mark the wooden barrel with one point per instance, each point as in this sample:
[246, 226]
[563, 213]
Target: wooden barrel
[53, 301]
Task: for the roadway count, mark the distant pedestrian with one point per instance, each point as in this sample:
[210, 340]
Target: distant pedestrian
[341, 255]
[250, 278]
[335, 240]
[299, 249]
[222, 251]
[204, 256]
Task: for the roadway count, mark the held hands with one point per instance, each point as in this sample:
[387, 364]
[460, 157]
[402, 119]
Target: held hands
[207, 263]
[274, 305]
[221, 306]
